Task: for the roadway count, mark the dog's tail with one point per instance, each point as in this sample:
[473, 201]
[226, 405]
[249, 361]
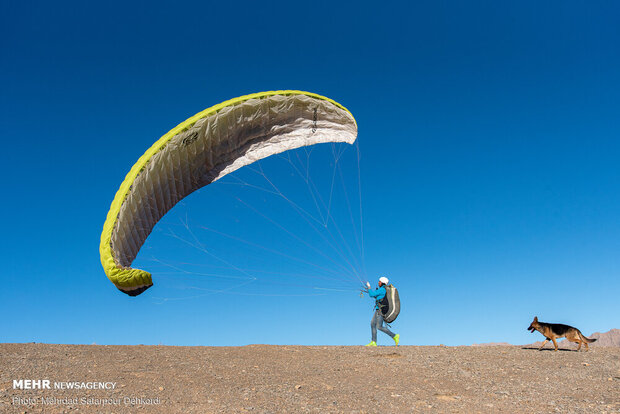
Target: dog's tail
[586, 339]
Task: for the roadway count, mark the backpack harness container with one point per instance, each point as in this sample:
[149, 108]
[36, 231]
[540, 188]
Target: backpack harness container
[390, 304]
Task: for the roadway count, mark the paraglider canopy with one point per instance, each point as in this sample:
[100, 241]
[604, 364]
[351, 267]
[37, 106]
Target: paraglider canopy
[203, 149]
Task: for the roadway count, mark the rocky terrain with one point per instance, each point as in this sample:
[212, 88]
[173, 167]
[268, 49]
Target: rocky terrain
[307, 379]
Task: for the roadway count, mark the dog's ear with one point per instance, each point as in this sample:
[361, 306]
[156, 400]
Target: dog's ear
[535, 318]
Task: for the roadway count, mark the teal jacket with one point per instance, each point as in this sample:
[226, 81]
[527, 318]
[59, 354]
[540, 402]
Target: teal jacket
[378, 294]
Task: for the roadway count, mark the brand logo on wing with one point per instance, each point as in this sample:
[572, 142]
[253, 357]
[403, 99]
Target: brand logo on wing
[193, 136]
[314, 119]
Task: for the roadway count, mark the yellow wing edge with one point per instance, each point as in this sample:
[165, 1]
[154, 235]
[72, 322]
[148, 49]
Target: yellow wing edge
[135, 281]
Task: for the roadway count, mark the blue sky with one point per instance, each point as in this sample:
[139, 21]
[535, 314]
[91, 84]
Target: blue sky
[488, 136]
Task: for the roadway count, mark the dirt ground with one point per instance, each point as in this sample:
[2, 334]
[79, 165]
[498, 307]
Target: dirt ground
[316, 379]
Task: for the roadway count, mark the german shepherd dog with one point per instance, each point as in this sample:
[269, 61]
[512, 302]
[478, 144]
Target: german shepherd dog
[552, 331]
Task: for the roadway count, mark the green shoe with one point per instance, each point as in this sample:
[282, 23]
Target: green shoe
[396, 339]
[373, 343]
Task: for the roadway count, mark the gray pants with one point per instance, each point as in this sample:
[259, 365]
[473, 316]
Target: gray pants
[377, 323]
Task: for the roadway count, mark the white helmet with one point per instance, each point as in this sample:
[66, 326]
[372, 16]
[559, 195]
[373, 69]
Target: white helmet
[384, 280]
